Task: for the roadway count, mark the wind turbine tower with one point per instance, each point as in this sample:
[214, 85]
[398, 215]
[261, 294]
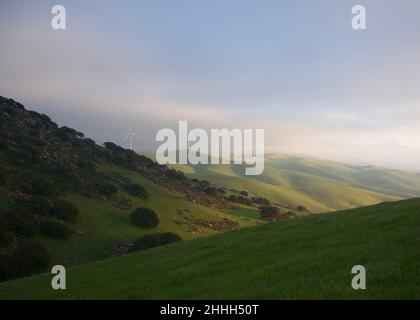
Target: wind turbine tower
[130, 135]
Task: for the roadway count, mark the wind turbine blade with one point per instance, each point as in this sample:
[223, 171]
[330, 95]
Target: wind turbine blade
[129, 128]
[126, 137]
[135, 134]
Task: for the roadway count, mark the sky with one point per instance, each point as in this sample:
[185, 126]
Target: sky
[294, 68]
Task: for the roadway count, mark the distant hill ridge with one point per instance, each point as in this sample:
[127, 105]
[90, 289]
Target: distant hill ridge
[319, 185]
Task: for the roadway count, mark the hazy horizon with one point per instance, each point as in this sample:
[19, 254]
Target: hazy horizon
[296, 69]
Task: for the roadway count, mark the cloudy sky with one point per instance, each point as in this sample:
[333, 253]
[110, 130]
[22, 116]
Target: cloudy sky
[295, 68]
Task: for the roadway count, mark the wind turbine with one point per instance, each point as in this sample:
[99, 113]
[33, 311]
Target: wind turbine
[130, 135]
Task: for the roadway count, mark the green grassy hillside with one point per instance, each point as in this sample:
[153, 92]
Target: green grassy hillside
[103, 226]
[319, 185]
[306, 258]
[66, 200]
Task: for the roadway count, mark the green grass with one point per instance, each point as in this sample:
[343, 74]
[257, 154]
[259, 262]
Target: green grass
[243, 212]
[319, 185]
[305, 258]
[103, 226]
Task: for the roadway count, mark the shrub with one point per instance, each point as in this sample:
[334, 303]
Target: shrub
[154, 240]
[244, 200]
[272, 213]
[222, 191]
[107, 189]
[22, 185]
[113, 147]
[175, 174]
[64, 210]
[261, 201]
[211, 191]
[136, 190]
[240, 199]
[233, 198]
[43, 187]
[28, 258]
[55, 229]
[39, 205]
[204, 184]
[69, 134]
[3, 223]
[32, 256]
[23, 212]
[8, 266]
[244, 193]
[119, 158]
[7, 239]
[145, 218]
[301, 208]
[21, 226]
[106, 154]
[87, 165]
[3, 175]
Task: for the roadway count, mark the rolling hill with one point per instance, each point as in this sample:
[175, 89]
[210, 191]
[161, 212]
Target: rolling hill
[319, 185]
[66, 200]
[306, 258]
[47, 170]
[102, 226]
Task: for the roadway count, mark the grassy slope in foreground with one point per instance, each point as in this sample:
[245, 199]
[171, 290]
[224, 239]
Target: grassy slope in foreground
[310, 257]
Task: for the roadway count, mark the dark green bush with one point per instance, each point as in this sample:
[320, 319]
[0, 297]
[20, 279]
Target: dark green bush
[107, 189]
[64, 210]
[211, 191]
[7, 239]
[273, 213]
[21, 226]
[87, 165]
[233, 198]
[22, 185]
[119, 158]
[261, 201]
[55, 229]
[39, 205]
[23, 212]
[144, 218]
[204, 184]
[240, 199]
[33, 257]
[175, 174]
[136, 190]
[3, 222]
[8, 266]
[154, 240]
[3, 175]
[43, 187]
[113, 147]
[28, 258]
[244, 193]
